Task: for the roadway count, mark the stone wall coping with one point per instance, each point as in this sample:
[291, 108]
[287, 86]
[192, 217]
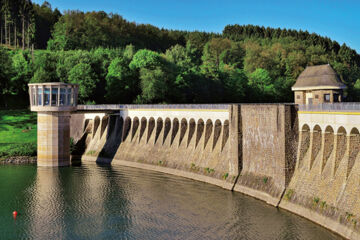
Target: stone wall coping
[224, 106]
[331, 107]
[152, 106]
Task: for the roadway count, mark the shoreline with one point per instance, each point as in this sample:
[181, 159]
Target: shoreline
[19, 160]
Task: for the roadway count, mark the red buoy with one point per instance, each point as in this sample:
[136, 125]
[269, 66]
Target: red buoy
[15, 213]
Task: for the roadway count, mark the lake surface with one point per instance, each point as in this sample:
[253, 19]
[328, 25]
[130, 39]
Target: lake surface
[115, 202]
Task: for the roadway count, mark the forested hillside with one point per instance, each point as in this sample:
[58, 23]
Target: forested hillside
[117, 61]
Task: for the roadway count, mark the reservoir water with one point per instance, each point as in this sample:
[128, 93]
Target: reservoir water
[115, 202]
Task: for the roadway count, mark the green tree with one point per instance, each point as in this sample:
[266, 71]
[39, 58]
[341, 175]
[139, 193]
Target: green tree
[154, 85]
[145, 59]
[121, 82]
[22, 73]
[83, 75]
[261, 83]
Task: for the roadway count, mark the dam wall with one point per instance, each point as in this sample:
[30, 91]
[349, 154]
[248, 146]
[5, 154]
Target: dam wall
[269, 144]
[195, 142]
[247, 148]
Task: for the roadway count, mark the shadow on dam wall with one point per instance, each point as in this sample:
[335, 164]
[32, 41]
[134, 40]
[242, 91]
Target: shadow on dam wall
[257, 150]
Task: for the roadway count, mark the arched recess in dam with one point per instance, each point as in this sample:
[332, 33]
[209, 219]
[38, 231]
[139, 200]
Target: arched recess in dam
[199, 131]
[167, 128]
[340, 148]
[225, 134]
[135, 126]
[104, 124]
[192, 128]
[143, 125]
[159, 127]
[208, 131]
[304, 144]
[126, 128]
[175, 130]
[217, 132]
[150, 128]
[354, 148]
[316, 144]
[328, 146]
[96, 125]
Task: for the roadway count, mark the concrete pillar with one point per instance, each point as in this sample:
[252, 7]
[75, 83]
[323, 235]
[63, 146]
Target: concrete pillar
[53, 139]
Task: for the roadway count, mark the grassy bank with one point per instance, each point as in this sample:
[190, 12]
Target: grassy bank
[17, 133]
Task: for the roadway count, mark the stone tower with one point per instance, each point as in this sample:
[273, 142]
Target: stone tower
[317, 85]
[53, 102]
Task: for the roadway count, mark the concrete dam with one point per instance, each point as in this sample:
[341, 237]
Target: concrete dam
[302, 160]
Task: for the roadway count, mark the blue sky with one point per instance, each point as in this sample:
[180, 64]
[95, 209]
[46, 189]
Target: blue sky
[337, 19]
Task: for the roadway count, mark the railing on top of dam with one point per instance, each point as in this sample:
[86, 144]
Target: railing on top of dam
[151, 106]
[331, 107]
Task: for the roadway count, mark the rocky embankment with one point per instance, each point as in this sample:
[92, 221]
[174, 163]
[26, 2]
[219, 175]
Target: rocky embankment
[18, 160]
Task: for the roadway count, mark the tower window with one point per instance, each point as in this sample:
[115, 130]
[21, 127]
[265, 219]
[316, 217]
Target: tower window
[326, 97]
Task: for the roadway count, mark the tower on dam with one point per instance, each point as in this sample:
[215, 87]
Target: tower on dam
[54, 102]
[318, 84]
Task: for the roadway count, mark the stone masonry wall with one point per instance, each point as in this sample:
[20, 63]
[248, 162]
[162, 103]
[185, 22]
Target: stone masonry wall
[268, 159]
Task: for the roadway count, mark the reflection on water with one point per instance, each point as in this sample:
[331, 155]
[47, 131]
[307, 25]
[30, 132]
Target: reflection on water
[98, 202]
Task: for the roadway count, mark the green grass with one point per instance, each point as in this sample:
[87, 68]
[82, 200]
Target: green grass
[17, 133]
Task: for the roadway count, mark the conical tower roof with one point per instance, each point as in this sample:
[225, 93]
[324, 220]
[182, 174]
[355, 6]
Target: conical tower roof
[318, 77]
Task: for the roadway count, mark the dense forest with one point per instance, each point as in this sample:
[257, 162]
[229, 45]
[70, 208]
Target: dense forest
[117, 61]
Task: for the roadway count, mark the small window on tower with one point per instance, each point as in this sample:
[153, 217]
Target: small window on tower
[326, 97]
[316, 96]
[297, 96]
